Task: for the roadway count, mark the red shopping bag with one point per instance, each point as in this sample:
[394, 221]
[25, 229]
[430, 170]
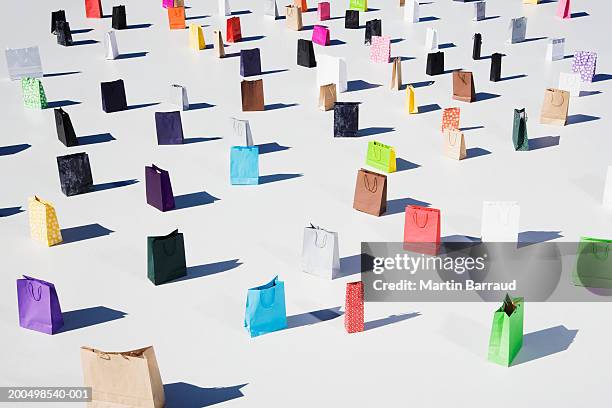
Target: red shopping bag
[233, 33]
[353, 313]
[93, 8]
[422, 230]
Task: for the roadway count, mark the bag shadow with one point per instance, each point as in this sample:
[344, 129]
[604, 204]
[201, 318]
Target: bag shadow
[91, 316]
[84, 232]
[544, 343]
[317, 316]
[374, 324]
[184, 395]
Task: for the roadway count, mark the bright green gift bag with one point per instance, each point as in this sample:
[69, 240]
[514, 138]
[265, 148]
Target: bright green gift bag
[593, 267]
[381, 156]
[361, 5]
[507, 332]
[33, 93]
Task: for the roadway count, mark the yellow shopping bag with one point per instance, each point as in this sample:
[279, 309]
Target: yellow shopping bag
[43, 222]
[196, 37]
[531, 1]
[410, 100]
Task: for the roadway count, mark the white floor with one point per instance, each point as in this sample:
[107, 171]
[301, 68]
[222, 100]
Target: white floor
[254, 232]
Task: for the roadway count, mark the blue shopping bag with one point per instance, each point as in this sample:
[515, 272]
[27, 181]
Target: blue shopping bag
[244, 165]
[265, 308]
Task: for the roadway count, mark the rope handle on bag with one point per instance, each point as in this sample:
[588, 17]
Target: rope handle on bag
[462, 76]
[31, 290]
[367, 184]
[415, 218]
[552, 98]
[449, 138]
[261, 293]
[594, 249]
[317, 239]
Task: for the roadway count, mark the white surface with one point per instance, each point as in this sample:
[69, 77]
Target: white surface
[433, 360]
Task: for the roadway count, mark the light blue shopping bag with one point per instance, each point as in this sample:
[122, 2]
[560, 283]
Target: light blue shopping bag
[244, 165]
[265, 308]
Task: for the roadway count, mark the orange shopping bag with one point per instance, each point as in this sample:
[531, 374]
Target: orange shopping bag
[233, 33]
[176, 18]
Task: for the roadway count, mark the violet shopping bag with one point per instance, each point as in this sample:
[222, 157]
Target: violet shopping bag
[158, 188]
[39, 307]
[265, 308]
[169, 128]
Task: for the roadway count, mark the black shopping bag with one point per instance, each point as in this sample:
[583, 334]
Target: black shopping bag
[305, 54]
[496, 60]
[250, 62]
[74, 173]
[351, 19]
[119, 21]
[166, 258]
[64, 35]
[113, 96]
[435, 63]
[59, 15]
[477, 46]
[373, 28]
[346, 119]
[65, 131]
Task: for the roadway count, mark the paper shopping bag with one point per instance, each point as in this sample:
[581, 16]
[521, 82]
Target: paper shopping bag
[224, 8]
[320, 252]
[38, 304]
[250, 62]
[431, 40]
[454, 144]
[265, 308]
[301, 4]
[176, 18]
[178, 3]
[158, 188]
[346, 119]
[57, 16]
[411, 105]
[110, 46]
[33, 93]
[479, 10]
[167, 3]
[65, 131]
[270, 9]
[435, 63]
[495, 73]
[506, 332]
[359, 5]
[244, 165]
[353, 307]
[370, 193]
[396, 74]
[477, 47]
[381, 156]
[305, 54]
[166, 258]
[450, 118]
[463, 86]
[241, 135]
[373, 28]
[555, 107]
[570, 83]
[64, 34]
[320, 35]
[500, 221]
[332, 70]
[119, 21]
[74, 174]
[43, 222]
[169, 128]
[555, 50]
[351, 19]
[293, 15]
[93, 8]
[196, 37]
[233, 33]
[323, 11]
[380, 51]
[531, 1]
[123, 379]
[585, 63]
[411, 11]
[327, 97]
[218, 44]
[519, 130]
[178, 96]
[518, 30]
[593, 268]
[113, 96]
[563, 9]
[422, 230]
[252, 95]
[23, 63]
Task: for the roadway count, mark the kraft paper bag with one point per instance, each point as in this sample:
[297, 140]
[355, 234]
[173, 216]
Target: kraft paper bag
[518, 30]
[305, 54]
[64, 34]
[178, 3]
[119, 19]
[293, 16]
[563, 9]
[93, 9]
[178, 96]
[380, 50]
[320, 255]
[520, 138]
[196, 37]
[454, 144]
[411, 105]
[411, 11]
[500, 221]
[43, 222]
[158, 188]
[23, 63]
[332, 70]
[233, 32]
[218, 44]
[169, 128]
[110, 46]
[593, 268]
[252, 95]
[450, 118]
[57, 16]
[479, 10]
[585, 63]
[65, 131]
[250, 62]
[396, 74]
[74, 174]
[555, 107]
[327, 97]
[38, 304]
[463, 86]
[270, 9]
[122, 379]
[244, 165]
[265, 308]
[571, 83]
[176, 18]
[346, 119]
[422, 229]
[431, 40]
[506, 337]
[33, 93]
[113, 96]
[353, 308]
[370, 193]
[555, 50]
[607, 196]
[241, 135]
[381, 157]
[359, 5]
[224, 8]
[166, 258]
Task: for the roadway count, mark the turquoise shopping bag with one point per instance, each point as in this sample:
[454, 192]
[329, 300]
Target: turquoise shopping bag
[265, 308]
[244, 165]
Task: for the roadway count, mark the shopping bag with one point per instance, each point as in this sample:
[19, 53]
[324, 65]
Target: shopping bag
[351, 19]
[64, 34]
[166, 258]
[373, 28]
[396, 74]
[167, 3]
[563, 9]
[169, 128]
[370, 193]
[233, 33]
[571, 83]
[241, 135]
[463, 86]
[74, 174]
[422, 230]
[38, 304]
[178, 96]
[320, 35]
[359, 5]
[265, 308]
[495, 73]
[332, 70]
[411, 11]
[218, 44]
[224, 8]
[305, 54]
[301, 4]
[479, 10]
[123, 379]
[196, 37]
[323, 11]
[346, 119]
[450, 118]
[381, 156]
[353, 307]
[113, 96]
[178, 3]
[555, 107]
[158, 188]
[380, 51]
[110, 46]
[593, 268]
[250, 62]
[43, 222]
[33, 93]
[93, 9]
[176, 18]
[65, 131]
[270, 9]
[555, 50]
[477, 47]
[293, 15]
[244, 165]
[411, 106]
[57, 16]
[119, 21]
[23, 63]
[431, 40]
[500, 221]
[519, 130]
[531, 1]
[454, 144]
[435, 63]
[252, 95]
[320, 252]
[518, 30]
[585, 63]
[327, 97]
[506, 332]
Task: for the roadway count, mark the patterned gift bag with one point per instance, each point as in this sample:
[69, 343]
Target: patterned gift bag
[450, 118]
[43, 222]
[380, 51]
[33, 93]
[585, 64]
[353, 313]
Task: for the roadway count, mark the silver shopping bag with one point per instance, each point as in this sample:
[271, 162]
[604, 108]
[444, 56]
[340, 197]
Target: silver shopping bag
[241, 135]
[320, 252]
[270, 9]
[518, 30]
[110, 46]
[178, 96]
[23, 62]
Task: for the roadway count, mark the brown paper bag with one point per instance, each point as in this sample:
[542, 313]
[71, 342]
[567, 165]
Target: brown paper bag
[179, 3]
[555, 107]
[370, 193]
[402, 3]
[396, 74]
[218, 43]
[128, 379]
[252, 95]
[454, 144]
[293, 15]
[463, 86]
[327, 97]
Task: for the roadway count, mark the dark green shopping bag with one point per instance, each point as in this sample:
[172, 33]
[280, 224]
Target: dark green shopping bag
[593, 264]
[519, 130]
[507, 332]
[166, 258]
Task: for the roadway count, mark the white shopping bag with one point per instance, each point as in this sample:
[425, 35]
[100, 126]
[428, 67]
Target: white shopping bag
[607, 196]
[320, 252]
[270, 9]
[23, 62]
[110, 46]
[500, 221]
[556, 49]
[570, 82]
[479, 10]
[224, 8]
[241, 135]
[518, 30]
[178, 96]
[431, 41]
[411, 12]
[332, 70]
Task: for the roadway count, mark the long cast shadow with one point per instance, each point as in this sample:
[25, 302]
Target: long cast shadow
[142, 105]
[184, 395]
[473, 152]
[360, 85]
[91, 316]
[114, 184]
[402, 165]
[271, 148]
[275, 106]
[274, 71]
[199, 271]
[253, 38]
[374, 324]
[8, 211]
[580, 118]
[601, 77]
[139, 26]
[14, 149]
[484, 96]
[375, 130]
[59, 104]
[510, 78]
[84, 232]
[271, 178]
[544, 142]
[132, 55]
[85, 42]
[200, 105]
[94, 139]
[398, 205]
[432, 107]
[193, 200]
[527, 238]
[544, 343]
[349, 265]
[56, 74]
[308, 318]
[191, 140]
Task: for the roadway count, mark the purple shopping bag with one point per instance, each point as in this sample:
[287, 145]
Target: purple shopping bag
[159, 189]
[585, 64]
[39, 307]
[169, 128]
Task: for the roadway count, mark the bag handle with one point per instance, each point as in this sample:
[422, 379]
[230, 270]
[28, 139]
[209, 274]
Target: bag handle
[594, 249]
[462, 76]
[317, 239]
[377, 149]
[552, 98]
[453, 143]
[261, 296]
[367, 183]
[31, 290]
[415, 217]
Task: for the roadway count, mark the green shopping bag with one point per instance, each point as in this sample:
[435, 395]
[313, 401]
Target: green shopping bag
[361, 5]
[381, 156]
[33, 93]
[166, 258]
[593, 267]
[507, 332]
[519, 131]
